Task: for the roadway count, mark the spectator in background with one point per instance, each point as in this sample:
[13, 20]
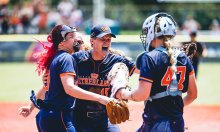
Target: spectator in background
[215, 27]
[201, 51]
[69, 14]
[190, 24]
[5, 25]
[39, 21]
[76, 18]
[26, 14]
[4, 20]
[42, 23]
[53, 19]
[65, 8]
[14, 18]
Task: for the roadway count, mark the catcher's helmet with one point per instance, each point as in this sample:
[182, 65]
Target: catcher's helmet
[153, 28]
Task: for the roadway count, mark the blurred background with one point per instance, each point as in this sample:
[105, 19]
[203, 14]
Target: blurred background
[39, 16]
[24, 21]
[125, 17]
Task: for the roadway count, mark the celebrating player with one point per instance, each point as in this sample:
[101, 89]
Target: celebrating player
[165, 73]
[56, 109]
[26, 110]
[93, 67]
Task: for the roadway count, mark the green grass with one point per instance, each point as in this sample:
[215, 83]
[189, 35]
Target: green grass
[208, 83]
[18, 79]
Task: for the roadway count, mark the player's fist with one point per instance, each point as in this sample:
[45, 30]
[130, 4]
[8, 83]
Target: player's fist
[25, 111]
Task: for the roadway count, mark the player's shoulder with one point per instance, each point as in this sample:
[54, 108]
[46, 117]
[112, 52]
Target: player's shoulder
[138, 59]
[66, 56]
[154, 54]
[114, 56]
[140, 55]
[63, 55]
[144, 55]
[182, 58]
[81, 54]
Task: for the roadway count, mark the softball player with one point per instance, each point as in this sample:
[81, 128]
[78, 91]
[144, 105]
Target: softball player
[56, 109]
[93, 67]
[165, 73]
[26, 110]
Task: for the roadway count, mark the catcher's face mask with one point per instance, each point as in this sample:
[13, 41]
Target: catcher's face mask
[157, 25]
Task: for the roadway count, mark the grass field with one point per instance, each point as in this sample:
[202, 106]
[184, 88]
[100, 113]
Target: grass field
[18, 79]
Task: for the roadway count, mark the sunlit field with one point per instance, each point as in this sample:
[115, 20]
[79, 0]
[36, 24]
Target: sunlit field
[18, 79]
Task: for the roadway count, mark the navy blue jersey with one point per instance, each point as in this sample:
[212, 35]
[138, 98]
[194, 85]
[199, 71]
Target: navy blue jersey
[63, 63]
[155, 68]
[92, 76]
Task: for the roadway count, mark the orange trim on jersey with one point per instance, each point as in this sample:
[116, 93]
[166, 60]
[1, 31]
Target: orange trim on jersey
[146, 79]
[46, 88]
[67, 73]
[192, 72]
[132, 69]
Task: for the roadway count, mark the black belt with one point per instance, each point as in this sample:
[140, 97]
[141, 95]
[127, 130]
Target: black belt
[44, 105]
[96, 114]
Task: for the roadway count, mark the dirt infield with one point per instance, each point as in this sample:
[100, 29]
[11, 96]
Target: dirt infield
[197, 118]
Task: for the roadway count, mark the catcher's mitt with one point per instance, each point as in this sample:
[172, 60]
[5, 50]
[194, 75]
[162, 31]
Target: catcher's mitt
[190, 50]
[117, 111]
[118, 77]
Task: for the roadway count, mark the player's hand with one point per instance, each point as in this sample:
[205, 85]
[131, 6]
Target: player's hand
[103, 100]
[25, 111]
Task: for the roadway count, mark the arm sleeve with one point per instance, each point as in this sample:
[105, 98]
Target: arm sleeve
[66, 65]
[138, 60]
[146, 65]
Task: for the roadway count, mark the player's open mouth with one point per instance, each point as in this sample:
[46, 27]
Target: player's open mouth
[105, 48]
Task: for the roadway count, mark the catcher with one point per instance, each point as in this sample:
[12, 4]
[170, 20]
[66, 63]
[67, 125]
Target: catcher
[165, 73]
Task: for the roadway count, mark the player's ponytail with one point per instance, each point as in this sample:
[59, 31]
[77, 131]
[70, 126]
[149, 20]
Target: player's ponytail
[168, 45]
[49, 51]
[45, 57]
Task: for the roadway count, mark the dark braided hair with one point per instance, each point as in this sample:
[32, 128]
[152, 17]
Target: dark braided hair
[46, 56]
